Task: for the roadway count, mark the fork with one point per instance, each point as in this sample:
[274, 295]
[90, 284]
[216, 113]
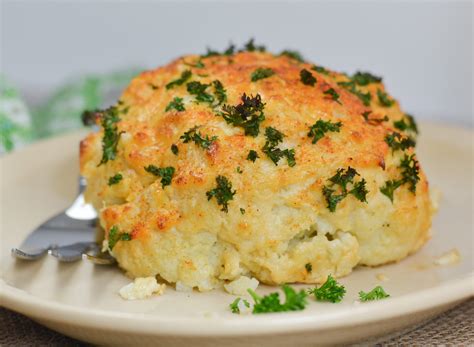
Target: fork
[69, 236]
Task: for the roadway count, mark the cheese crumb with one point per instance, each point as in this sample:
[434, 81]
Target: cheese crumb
[240, 285]
[141, 288]
[449, 258]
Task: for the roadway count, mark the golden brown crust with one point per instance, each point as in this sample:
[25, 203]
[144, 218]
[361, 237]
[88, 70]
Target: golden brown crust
[279, 201]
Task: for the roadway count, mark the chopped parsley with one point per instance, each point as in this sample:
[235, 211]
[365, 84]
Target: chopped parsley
[250, 46]
[384, 99]
[274, 137]
[109, 120]
[410, 175]
[409, 124]
[234, 306]
[321, 127]
[247, 115]
[307, 78]
[174, 149]
[351, 87]
[238, 170]
[185, 75]
[252, 156]
[166, 173]
[261, 73]
[373, 121]
[242, 210]
[332, 94]
[219, 92]
[398, 142]
[295, 55]
[365, 78]
[115, 236]
[294, 301]
[199, 90]
[115, 179]
[195, 136]
[176, 104]
[375, 294]
[308, 267]
[331, 291]
[343, 178]
[223, 193]
[89, 118]
[320, 69]
[198, 64]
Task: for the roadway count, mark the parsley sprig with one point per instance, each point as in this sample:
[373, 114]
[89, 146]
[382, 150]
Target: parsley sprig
[406, 123]
[384, 99]
[320, 69]
[115, 236]
[294, 301]
[375, 294]
[195, 136]
[331, 291]
[342, 179]
[247, 115]
[398, 142]
[261, 73]
[351, 87]
[292, 54]
[373, 121]
[410, 171]
[333, 95]
[185, 75]
[252, 156]
[321, 127]
[166, 173]
[223, 193]
[307, 78]
[365, 78]
[275, 137]
[234, 306]
[109, 119]
[176, 104]
[115, 179]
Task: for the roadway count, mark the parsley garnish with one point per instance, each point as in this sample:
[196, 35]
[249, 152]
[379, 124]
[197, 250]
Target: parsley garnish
[177, 104]
[342, 179]
[331, 92]
[115, 179]
[410, 124]
[185, 75]
[242, 210]
[331, 291]
[320, 69]
[174, 149]
[397, 142]
[307, 78]
[308, 267]
[351, 87]
[238, 170]
[365, 78]
[219, 92]
[410, 175]
[375, 294]
[373, 121]
[294, 301]
[198, 64]
[321, 127]
[274, 137]
[199, 90]
[166, 173]
[384, 100]
[251, 47]
[261, 73]
[223, 193]
[252, 156]
[111, 137]
[115, 236]
[197, 138]
[234, 306]
[293, 55]
[247, 115]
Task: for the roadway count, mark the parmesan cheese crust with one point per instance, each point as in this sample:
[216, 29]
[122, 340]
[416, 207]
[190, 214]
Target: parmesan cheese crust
[278, 220]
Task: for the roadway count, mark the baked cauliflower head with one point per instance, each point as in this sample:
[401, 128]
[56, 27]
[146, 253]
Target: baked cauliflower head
[250, 163]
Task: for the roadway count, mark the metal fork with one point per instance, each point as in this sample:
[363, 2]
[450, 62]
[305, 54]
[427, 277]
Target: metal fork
[68, 236]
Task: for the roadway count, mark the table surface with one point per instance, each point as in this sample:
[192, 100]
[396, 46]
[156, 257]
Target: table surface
[454, 327]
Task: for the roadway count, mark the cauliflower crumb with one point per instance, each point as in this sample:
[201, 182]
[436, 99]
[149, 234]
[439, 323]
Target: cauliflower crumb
[141, 288]
[449, 258]
[240, 285]
[382, 277]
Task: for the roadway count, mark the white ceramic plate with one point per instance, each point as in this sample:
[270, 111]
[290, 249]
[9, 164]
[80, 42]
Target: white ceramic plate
[80, 299]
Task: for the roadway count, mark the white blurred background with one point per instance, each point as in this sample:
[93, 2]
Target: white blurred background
[424, 50]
